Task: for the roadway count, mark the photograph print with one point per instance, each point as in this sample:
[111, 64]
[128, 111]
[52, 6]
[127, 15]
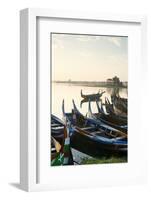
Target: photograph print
[89, 99]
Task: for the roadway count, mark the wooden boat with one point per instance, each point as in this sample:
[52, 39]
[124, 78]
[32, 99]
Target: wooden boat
[111, 120]
[96, 122]
[108, 106]
[120, 104]
[92, 138]
[57, 128]
[61, 153]
[86, 101]
[92, 96]
[112, 110]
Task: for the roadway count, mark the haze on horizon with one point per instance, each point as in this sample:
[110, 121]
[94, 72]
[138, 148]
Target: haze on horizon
[89, 57]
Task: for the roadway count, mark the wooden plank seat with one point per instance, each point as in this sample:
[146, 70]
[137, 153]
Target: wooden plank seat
[87, 128]
[55, 125]
[96, 132]
[58, 127]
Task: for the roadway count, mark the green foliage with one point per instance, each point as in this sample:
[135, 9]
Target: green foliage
[104, 160]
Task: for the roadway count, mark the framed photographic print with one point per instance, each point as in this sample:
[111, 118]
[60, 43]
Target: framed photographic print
[81, 121]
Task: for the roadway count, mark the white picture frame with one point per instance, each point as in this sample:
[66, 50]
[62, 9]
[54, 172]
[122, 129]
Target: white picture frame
[28, 96]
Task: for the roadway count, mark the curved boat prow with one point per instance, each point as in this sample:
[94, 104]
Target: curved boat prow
[63, 110]
[82, 94]
[108, 101]
[101, 107]
[75, 107]
[89, 109]
[98, 107]
[102, 92]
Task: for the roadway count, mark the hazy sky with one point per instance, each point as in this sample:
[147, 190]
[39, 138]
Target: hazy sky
[88, 57]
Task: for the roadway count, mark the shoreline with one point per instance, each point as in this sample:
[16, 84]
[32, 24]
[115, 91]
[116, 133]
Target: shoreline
[92, 84]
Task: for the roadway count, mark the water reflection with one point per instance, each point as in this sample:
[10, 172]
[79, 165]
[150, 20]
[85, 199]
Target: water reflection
[86, 101]
[68, 92]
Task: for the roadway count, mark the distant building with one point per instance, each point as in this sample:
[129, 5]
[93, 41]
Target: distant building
[115, 81]
[109, 81]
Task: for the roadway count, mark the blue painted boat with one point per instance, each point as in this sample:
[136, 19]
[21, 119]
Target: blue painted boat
[108, 119]
[88, 136]
[57, 128]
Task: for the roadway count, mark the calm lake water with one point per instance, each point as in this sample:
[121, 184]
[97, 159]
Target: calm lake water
[69, 92]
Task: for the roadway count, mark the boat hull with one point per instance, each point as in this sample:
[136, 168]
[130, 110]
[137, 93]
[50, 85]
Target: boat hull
[96, 148]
